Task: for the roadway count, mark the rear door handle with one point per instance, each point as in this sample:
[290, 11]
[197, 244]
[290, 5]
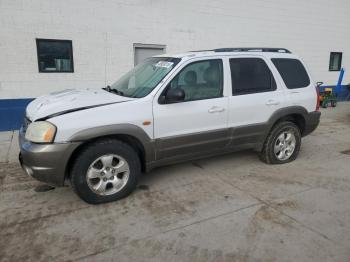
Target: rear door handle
[272, 103]
[216, 109]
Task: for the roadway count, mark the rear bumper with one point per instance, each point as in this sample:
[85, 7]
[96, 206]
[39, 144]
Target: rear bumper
[45, 162]
[312, 121]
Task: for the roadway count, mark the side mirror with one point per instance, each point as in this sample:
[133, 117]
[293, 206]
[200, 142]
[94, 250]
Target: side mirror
[175, 95]
[318, 84]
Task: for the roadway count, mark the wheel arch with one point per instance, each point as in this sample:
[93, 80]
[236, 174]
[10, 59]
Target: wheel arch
[132, 135]
[295, 114]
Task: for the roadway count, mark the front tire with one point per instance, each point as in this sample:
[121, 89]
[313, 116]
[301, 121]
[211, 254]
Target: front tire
[105, 170]
[282, 144]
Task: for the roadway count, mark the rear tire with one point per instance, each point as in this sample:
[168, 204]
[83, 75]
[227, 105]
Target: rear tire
[105, 170]
[282, 144]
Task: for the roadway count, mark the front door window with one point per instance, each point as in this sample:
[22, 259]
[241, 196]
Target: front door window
[200, 80]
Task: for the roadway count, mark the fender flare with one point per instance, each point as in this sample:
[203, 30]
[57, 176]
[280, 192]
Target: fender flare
[282, 112]
[118, 129]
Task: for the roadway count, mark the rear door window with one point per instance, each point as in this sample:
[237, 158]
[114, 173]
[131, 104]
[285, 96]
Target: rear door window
[250, 75]
[292, 72]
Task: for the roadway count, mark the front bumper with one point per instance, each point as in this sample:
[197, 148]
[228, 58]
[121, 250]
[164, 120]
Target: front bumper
[45, 162]
[312, 121]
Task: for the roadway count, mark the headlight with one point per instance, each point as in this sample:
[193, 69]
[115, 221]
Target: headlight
[41, 132]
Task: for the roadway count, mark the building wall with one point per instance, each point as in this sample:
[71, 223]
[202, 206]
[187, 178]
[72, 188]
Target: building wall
[103, 33]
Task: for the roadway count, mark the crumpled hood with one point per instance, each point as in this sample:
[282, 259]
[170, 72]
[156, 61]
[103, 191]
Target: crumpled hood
[70, 100]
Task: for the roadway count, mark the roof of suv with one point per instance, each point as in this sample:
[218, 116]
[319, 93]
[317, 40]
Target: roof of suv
[265, 51]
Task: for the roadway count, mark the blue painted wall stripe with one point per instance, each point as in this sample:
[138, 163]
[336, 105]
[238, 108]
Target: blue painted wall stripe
[12, 113]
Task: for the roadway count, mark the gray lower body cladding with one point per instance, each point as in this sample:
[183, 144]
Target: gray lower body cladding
[205, 144]
[45, 162]
[171, 150]
[312, 121]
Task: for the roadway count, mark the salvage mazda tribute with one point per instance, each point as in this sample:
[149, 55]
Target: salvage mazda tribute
[168, 109]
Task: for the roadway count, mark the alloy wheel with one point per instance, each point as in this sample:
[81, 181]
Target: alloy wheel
[284, 145]
[108, 174]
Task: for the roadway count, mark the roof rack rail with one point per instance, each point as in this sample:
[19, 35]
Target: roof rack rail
[207, 50]
[253, 49]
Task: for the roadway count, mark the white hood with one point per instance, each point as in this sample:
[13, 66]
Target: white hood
[70, 99]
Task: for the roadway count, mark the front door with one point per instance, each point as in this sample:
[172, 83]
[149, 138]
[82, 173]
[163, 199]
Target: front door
[199, 123]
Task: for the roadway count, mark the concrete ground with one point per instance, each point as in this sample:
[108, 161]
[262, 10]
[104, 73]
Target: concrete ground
[9, 147]
[226, 208]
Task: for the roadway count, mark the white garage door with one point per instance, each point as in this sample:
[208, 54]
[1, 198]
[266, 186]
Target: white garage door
[142, 51]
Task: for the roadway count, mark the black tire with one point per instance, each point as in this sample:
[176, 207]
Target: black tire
[92, 152]
[267, 154]
[334, 103]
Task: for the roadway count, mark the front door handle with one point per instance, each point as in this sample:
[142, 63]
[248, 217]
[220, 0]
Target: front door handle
[272, 103]
[216, 109]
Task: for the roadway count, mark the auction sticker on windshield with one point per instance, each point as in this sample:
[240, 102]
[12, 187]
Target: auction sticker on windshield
[164, 64]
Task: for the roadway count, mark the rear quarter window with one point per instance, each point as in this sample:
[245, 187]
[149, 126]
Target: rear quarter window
[292, 72]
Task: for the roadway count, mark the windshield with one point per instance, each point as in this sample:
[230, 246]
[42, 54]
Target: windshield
[143, 78]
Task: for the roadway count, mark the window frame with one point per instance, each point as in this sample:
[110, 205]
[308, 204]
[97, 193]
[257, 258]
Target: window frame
[252, 92]
[38, 40]
[339, 63]
[165, 90]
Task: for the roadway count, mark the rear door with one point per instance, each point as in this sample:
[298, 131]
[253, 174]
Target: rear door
[256, 95]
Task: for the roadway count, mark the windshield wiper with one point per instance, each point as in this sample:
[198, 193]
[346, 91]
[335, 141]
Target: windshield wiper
[116, 91]
[113, 90]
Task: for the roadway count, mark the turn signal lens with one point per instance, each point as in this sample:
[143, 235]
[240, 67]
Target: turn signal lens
[146, 123]
[41, 132]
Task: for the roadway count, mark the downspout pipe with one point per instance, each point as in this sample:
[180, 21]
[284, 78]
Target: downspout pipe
[340, 79]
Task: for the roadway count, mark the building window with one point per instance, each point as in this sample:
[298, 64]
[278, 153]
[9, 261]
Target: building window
[143, 51]
[55, 56]
[335, 61]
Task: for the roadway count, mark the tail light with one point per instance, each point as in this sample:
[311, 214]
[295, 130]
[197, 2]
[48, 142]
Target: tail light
[318, 98]
[318, 84]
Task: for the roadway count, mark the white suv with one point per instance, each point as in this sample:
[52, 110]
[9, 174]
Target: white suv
[170, 108]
